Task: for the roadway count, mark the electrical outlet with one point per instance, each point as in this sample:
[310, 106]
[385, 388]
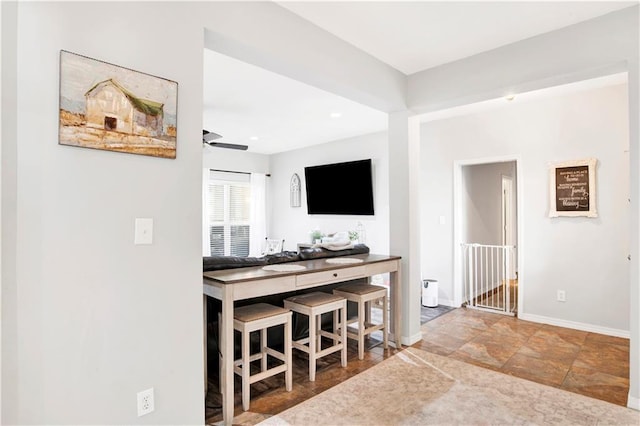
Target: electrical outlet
[145, 402]
[562, 297]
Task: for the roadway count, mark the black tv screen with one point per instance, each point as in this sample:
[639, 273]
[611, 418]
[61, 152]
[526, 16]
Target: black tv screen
[341, 188]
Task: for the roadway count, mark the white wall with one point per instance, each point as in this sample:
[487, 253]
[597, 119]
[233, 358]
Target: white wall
[559, 253]
[93, 319]
[294, 224]
[9, 194]
[2, 47]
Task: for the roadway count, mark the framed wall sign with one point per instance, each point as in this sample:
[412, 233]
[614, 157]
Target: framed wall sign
[572, 188]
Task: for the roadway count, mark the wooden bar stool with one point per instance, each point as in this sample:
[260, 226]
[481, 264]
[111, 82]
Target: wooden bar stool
[364, 294]
[314, 305]
[261, 316]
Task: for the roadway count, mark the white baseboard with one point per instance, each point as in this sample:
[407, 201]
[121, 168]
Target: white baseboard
[633, 403]
[448, 302]
[408, 341]
[575, 325]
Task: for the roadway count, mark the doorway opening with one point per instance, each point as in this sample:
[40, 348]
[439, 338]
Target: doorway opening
[487, 234]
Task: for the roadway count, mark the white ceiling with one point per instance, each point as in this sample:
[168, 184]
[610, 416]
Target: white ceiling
[242, 101]
[491, 104]
[415, 35]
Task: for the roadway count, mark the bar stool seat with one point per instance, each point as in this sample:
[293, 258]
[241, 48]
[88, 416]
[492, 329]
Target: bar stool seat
[314, 305]
[261, 316]
[363, 295]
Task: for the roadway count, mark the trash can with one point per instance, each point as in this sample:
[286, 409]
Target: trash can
[430, 293]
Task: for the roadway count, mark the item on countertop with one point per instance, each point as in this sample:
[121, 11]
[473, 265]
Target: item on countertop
[283, 267]
[316, 236]
[343, 260]
[319, 252]
[335, 246]
[216, 263]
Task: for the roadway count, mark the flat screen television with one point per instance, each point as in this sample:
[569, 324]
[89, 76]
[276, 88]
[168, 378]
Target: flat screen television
[340, 188]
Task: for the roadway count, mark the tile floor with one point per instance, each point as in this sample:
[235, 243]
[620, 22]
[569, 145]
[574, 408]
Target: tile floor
[585, 363]
[578, 361]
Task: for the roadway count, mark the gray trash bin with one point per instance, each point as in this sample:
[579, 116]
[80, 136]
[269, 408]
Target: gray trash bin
[430, 293]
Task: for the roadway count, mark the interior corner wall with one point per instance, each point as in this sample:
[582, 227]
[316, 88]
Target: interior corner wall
[98, 319]
[8, 191]
[294, 224]
[559, 253]
[634, 299]
[1, 221]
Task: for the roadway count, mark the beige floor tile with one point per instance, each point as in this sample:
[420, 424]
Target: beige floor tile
[597, 384]
[550, 372]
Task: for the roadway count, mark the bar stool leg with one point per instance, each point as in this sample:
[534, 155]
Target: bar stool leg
[336, 325]
[385, 322]
[367, 315]
[312, 348]
[221, 339]
[263, 349]
[246, 369]
[343, 332]
[318, 335]
[288, 375]
[361, 324]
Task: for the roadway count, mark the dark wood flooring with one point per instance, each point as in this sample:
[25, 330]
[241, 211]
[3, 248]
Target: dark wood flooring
[586, 363]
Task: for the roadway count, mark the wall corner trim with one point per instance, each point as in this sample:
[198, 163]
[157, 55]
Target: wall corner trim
[408, 341]
[633, 403]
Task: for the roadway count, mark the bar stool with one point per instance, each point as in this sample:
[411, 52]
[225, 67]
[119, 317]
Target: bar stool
[314, 305]
[261, 316]
[364, 294]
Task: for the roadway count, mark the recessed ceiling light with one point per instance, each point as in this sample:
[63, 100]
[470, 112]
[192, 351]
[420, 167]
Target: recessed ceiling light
[335, 115]
[510, 97]
[253, 138]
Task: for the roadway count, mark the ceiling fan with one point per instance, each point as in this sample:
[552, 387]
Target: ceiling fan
[210, 139]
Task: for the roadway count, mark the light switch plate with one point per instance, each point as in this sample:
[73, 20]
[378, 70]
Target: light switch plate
[143, 231]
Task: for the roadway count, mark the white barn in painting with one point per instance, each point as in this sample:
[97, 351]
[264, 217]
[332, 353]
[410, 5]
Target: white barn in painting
[112, 107]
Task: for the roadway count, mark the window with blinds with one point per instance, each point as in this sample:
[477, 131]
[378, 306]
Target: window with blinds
[229, 203]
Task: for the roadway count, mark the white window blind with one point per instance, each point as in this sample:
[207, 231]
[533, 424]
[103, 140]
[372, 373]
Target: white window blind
[229, 204]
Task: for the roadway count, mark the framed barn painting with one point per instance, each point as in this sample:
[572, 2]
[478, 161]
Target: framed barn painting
[104, 106]
[572, 188]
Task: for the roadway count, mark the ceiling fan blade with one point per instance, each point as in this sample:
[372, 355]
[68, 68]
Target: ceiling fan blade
[228, 145]
[208, 136]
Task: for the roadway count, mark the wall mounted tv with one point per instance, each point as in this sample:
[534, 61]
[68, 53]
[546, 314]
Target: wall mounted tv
[340, 188]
